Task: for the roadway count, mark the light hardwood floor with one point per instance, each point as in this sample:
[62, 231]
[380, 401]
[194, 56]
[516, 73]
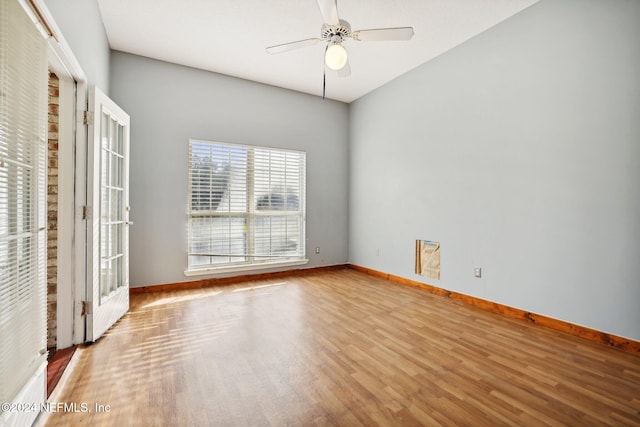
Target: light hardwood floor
[341, 348]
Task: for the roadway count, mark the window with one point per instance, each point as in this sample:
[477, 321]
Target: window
[246, 206]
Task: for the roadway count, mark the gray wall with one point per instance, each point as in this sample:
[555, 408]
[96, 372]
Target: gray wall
[169, 104]
[520, 152]
[81, 24]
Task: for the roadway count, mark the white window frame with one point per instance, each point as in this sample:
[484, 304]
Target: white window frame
[249, 213]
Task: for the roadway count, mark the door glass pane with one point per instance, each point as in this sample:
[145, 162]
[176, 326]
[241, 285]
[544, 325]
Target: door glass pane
[120, 136]
[116, 204]
[116, 170]
[104, 277]
[113, 130]
[118, 272]
[117, 239]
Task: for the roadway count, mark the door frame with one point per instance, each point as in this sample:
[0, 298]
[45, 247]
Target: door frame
[72, 140]
[66, 204]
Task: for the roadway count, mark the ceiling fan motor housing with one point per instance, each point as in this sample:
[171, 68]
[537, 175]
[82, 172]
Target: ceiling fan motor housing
[330, 32]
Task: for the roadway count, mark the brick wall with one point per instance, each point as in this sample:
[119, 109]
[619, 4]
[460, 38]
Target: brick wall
[52, 214]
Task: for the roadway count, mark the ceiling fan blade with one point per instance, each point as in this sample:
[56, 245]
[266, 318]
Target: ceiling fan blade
[329, 11]
[383, 34]
[345, 71]
[291, 46]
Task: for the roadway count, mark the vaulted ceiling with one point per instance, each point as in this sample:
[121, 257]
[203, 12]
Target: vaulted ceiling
[230, 37]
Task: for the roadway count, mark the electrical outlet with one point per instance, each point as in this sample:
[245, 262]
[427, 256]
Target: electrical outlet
[477, 272]
[317, 249]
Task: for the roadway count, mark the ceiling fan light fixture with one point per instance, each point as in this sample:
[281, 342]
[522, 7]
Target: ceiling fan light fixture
[336, 56]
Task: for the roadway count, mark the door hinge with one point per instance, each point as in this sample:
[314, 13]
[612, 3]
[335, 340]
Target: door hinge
[87, 308]
[87, 117]
[85, 212]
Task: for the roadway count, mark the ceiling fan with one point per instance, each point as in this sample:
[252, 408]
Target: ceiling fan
[335, 32]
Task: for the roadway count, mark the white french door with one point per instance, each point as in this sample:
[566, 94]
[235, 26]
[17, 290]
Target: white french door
[107, 214]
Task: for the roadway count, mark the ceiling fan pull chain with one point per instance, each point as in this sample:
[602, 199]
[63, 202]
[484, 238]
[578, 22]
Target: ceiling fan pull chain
[324, 74]
[324, 83]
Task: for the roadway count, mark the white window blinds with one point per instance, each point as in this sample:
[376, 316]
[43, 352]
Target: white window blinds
[23, 106]
[246, 205]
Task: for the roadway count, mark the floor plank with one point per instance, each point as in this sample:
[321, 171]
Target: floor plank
[56, 366]
[341, 348]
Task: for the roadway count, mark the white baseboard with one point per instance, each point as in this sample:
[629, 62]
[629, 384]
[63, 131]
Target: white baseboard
[25, 408]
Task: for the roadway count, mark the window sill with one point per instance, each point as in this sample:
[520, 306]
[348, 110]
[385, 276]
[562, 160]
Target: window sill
[238, 268]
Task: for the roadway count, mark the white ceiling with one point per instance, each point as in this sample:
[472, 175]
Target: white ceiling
[230, 36]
